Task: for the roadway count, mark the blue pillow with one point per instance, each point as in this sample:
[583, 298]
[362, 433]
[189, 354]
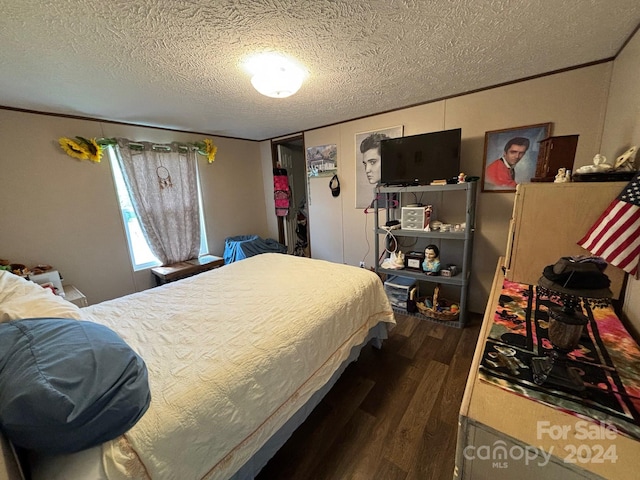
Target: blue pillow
[67, 385]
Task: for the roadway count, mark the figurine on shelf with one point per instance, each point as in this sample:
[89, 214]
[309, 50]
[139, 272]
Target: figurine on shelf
[563, 175]
[600, 165]
[395, 261]
[431, 263]
[625, 162]
[428, 210]
[462, 178]
[399, 260]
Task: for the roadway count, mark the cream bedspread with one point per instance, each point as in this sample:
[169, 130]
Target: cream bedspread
[232, 354]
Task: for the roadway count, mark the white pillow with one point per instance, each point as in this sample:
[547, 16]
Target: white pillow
[20, 298]
[11, 285]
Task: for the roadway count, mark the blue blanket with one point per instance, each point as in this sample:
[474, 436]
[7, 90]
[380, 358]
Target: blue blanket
[244, 246]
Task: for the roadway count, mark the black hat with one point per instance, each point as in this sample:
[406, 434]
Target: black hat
[580, 276]
[334, 185]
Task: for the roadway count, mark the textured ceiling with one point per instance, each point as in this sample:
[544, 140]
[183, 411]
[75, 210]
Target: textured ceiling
[178, 63]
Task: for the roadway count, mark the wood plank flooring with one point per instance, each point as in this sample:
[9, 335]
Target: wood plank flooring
[392, 415]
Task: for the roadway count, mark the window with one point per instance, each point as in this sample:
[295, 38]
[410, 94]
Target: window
[141, 255]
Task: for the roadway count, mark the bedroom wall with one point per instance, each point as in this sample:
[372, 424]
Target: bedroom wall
[621, 131]
[575, 101]
[61, 211]
[57, 210]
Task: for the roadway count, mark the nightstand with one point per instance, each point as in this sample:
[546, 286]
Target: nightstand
[75, 296]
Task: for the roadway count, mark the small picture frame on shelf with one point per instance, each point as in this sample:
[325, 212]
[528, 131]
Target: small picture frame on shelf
[413, 261]
[449, 271]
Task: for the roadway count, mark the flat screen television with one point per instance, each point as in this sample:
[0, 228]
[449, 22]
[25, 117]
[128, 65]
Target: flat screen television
[420, 159]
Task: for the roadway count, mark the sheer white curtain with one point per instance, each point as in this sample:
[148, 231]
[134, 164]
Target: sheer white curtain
[162, 182]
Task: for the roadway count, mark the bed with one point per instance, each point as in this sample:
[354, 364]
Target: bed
[237, 357]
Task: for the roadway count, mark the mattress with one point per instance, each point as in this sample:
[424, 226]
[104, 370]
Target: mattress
[232, 355]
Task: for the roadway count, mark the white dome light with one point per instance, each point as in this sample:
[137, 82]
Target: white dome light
[274, 75]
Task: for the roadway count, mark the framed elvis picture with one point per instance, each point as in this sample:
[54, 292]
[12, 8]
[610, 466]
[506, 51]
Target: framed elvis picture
[510, 156]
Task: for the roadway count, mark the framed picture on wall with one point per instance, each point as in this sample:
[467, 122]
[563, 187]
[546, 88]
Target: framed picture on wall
[322, 161]
[510, 156]
[368, 162]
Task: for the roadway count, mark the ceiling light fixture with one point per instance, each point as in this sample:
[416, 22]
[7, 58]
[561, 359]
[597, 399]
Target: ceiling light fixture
[274, 75]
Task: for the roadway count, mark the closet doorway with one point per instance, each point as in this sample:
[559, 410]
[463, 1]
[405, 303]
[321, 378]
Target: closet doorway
[293, 229]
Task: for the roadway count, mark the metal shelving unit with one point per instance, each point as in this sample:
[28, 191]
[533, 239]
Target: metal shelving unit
[445, 239]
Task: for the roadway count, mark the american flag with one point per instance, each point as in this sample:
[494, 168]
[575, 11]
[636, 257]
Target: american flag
[616, 234]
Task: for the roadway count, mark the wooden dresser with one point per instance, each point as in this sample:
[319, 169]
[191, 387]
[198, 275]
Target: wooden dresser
[547, 222]
[494, 421]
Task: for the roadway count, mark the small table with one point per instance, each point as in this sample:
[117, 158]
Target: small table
[176, 271]
[75, 296]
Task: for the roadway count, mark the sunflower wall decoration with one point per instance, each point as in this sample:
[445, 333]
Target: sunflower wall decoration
[208, 149]
[82, 148]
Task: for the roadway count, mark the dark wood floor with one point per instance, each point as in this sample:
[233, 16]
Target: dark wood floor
[392, 415]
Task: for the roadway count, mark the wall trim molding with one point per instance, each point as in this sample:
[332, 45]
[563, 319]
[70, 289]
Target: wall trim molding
[469, 92]
[114, 122]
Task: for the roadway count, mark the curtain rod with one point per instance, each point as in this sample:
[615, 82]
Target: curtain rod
[139, 146]
[91, 149]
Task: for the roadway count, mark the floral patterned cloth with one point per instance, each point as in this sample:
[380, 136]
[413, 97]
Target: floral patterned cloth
[607, 358]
